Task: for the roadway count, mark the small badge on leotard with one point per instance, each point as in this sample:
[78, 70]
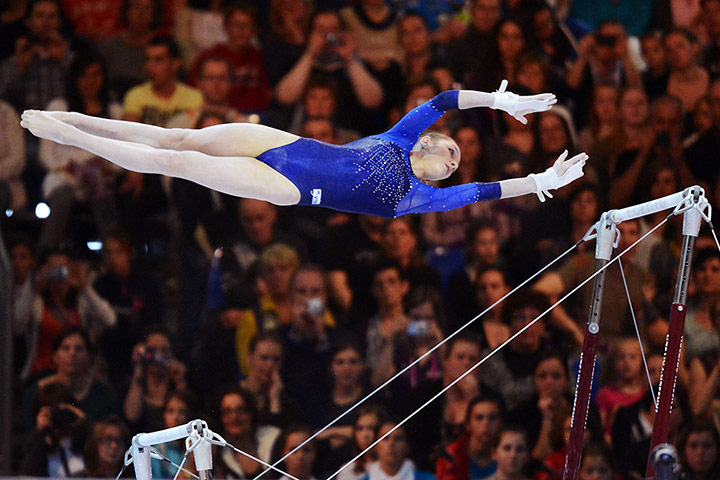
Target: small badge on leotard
[316, 196]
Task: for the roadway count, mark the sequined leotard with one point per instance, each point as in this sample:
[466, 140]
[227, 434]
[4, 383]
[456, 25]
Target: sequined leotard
[373, 175]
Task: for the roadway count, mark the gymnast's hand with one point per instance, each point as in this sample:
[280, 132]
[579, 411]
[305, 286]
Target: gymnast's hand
[518, 106]
[562, 172]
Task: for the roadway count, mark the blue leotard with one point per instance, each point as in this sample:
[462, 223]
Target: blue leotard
[373, 175]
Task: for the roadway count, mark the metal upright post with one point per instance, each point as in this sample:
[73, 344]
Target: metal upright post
[673, 341]
[606, 234]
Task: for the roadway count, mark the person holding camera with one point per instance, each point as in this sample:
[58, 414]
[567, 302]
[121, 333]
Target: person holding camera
[603, 57]
[156, 374]
[308, 338]
[55, 447]
[65, 298]
[331, 52]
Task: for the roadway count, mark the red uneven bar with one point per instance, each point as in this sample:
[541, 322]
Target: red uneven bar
[673, 343]
[580, 408]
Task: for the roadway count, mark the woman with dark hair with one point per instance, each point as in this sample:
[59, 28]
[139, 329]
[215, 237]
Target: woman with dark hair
[105, 450]
[76, 176]
[509, 43]
[365, 432]
[238, 419]
[73, 357]
[180, 408]
[699, 448]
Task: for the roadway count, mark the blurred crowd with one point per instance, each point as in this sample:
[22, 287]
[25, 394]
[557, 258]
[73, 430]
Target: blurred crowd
[142, 302]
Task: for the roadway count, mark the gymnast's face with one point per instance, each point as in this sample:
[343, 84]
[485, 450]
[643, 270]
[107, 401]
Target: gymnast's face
[439, 159]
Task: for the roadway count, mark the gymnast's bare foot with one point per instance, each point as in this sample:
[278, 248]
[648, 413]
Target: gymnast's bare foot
[42, 125]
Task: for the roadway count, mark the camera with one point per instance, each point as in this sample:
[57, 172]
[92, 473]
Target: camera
[605, 40]
[150, 356]
[418, 328]
[58, 274]
[62, 418]
[315, 306]
[332, 40]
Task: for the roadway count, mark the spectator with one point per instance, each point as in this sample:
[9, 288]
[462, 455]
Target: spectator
[124, 53]
[259, 228]
[55, 446]
[471, 455]
[373, 27]
[399, 243]
[389, 288]
[425, 330]
[699, 449]
[275, 407]
[511, 453]
[348, 385]
[490, 286]
[509, 43]
[544, 414]
[22, 259]
[13, 194]
[67, 299]
[625, 382]
[603, 117]
[510, 371]
[687, 80]
[365, 431]
[321, 129]
[552, 40]
[602, 58]
[300, 464]
[214, 80]
[702, 121]
[597, 463]
[250, 87]
[308, 338]
[711, 21]
[180, 408]
[700, 337]
[476, 43]
[199, 27]
[278, 264]
[238, 418]
[419, 53]
[92, 21]
[656, 74]
[287, 35]
[704, 373]
[105, 449]
[533, 72]
[74, 175]
[35, 74]
[135, 295]
[156, 373]
[320, 101]
[358, 91]
[393, 457]
[73, 357]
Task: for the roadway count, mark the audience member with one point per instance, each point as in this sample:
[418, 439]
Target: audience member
[124, 53]
[300, 464]
[240, 427]
[331, 51]
[199, 27]
[250, 87]
[687, 80]
[365, 432]
[393, 456]
[180, 408]
[23, 297]
[156, 373]
[699, 448]
[471, 455]
[105, 449]
[597, 463]
[511, 453]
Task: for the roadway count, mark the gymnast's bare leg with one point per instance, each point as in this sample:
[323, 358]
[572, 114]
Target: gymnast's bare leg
[239, 175]
[230, 139]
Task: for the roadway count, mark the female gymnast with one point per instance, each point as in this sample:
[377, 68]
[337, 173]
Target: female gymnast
[379, 175]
